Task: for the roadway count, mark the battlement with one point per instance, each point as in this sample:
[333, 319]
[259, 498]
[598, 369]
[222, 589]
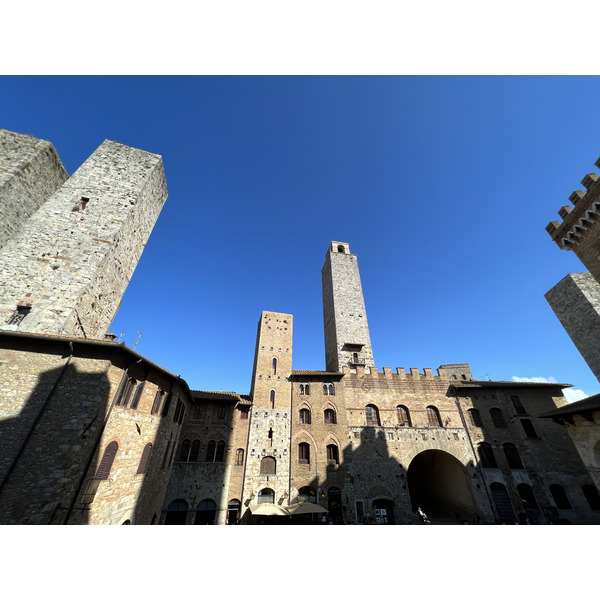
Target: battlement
[400, 372]
[579, 218]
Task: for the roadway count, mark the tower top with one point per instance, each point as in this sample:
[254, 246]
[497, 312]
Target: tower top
[339, 247]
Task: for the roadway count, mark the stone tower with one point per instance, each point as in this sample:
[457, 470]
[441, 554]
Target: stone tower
[66, 268]
[576, 299]
[30, 172]
[347, 340]
[268, 457]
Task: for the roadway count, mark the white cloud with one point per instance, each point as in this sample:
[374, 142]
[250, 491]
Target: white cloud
[571, 395]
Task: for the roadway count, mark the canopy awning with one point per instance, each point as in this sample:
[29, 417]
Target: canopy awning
[268, 510]
[304, 508]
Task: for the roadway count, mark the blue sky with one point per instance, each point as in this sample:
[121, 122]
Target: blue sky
[442, 186]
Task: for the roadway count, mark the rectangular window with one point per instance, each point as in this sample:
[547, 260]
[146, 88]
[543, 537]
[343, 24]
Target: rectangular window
[528, 428]
[221, 412]
[518, 405]
[138, 394]
[160, 394]
[244, 414]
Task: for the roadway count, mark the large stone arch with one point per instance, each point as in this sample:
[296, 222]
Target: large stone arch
[439, 483]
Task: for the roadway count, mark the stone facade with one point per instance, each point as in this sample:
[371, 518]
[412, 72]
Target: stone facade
[30, 172]
[575, 300]
[65, 270]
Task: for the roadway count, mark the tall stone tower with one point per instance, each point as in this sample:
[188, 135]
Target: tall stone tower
[30, 172]
[64, 271]
[268, 459]
[576, 299]
[347, 340]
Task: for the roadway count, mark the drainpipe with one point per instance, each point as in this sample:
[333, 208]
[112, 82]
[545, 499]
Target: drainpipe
[97, 443]
[39, 415]
[464, 423]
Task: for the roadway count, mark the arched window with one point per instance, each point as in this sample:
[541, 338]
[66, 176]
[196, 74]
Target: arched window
[474, 417]
[333, 455]
[307, 390]
[341, 249]
[560, 497]
[403, 416]
[329, 416]
[328, 389]
[176, 513]
[266, 495]
[268, 466]
[107, 461]
[526, 495]
[210, 451]
[433, 417]
[184, 451]
[307, 494]
[591, 495]
[304, 453]
[498, 418]
[143, 466]
[302, 389]
[272, 398]
[274, 366]
[512, 456]
[239, 457]
[206, 512]
[195, 451]
[305, 416]
[220, 453]
[486, 456]
[372, 415]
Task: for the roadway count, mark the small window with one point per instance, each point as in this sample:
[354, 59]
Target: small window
[518, 405]
[274, 366]
[328, 390]
[333, 455]
[221, 413]
[360, 511]
[433, 417]
[19, 315]
[195, 451]
[512, 456]
[372, 415]
[268, 466]
[498, 418]
[560, 497]
[158, 398]
[126, 391]
[244, 414]
[137, 395]
[239, 457]
[272, 398]
[107, 461]
[210, 451]
[266, 496]
[474, 417]
[591, 495]
[143, 466]
[403, 416]
[528, 428]
[305, 416]
[220, 452]
[341, 249]
[329, 417]
[486, 456]
[165, 410]
[184, 451]
[304, 453]
[307, 390]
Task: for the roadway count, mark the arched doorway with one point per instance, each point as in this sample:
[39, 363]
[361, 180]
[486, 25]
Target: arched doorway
[176, 513]
[233, 511]
[383, 511]
[439, 483]
[206, 512]
[503, 503]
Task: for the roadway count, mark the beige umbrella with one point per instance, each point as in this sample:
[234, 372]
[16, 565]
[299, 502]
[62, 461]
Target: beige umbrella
[304, 508]
[268, 510]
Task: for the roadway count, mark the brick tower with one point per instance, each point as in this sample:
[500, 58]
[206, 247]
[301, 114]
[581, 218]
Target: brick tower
[268, 457]
[65, 269]
[347, 340]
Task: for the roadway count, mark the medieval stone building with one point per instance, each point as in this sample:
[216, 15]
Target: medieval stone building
[92, 432]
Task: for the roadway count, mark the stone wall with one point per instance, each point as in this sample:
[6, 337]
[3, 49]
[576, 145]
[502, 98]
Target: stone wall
[30, 172]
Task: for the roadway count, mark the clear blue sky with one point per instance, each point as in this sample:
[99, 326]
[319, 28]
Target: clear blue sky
[442, 186]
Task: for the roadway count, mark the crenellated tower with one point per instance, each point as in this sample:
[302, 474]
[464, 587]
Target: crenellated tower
[347, 339]
[268, 454]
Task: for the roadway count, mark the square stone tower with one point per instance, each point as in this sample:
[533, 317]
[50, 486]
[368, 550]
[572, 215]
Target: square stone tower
[347, 339]
[268, 458]
[66, 268]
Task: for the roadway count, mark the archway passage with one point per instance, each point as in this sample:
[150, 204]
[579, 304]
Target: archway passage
[441, 486]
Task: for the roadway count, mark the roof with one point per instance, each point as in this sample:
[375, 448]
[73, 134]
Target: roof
[587, 405]
[220, 395]
[317, 374]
